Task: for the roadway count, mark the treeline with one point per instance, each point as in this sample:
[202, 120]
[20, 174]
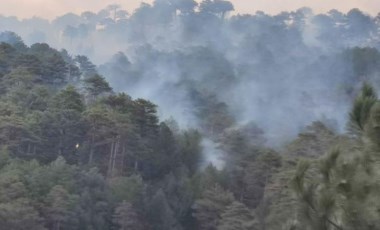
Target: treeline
[194, 22]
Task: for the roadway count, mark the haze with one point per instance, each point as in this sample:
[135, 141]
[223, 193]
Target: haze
[52, 8]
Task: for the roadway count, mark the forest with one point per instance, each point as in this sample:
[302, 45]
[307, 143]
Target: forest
[184, 115]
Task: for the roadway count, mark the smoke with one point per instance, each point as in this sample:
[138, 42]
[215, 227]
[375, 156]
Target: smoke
[211, 71]
[212, 155]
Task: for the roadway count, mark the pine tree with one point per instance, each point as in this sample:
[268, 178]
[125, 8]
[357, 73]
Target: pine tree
[360, 112]
[209, 209]
[236, 217]
[96, 85]
[58, 202]
[16, 209]
[100, 129]
[87, 68]
[257, 175]
[62, 125]
[20, 215]
[126, 218]
[160, 214]
[68, 99]
[56, 70]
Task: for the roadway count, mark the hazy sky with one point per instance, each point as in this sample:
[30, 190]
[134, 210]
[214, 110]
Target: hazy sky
[51, 8]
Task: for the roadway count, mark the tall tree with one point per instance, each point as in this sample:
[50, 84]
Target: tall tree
[96, 85]
[209, 209]
[58, 207]
[126, 218]
[236, 217]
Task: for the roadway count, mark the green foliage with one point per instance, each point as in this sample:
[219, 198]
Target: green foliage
[96, 85]
[278, 209]
[59, 207]
[19, 215]
[313, 141]
[126, 218]
[68, 99]
[257, 176]
[127, 189]
[343, 196]
[360, 111]
[67, 162]
[13, 39]
[86, 67]
[159, 212]
[209, 209]
[236, 217]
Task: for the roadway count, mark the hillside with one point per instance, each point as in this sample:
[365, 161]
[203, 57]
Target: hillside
[181, 116]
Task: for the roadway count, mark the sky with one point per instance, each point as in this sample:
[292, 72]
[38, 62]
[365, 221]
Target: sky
[51, 8]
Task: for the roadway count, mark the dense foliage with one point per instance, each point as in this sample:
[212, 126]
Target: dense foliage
[75, 155]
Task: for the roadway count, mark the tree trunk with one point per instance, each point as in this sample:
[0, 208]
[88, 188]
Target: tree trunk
[60, 147]
[122, 159]
[110, 159]
[114, 157]
[91, 150]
